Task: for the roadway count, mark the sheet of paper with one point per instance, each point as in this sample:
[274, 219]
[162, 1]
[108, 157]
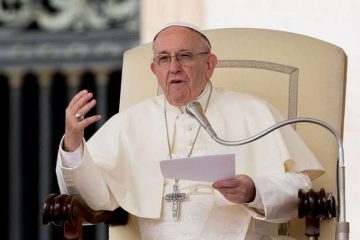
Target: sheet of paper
[205, 168]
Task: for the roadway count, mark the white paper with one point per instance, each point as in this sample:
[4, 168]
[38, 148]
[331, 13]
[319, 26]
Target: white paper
[205, 168]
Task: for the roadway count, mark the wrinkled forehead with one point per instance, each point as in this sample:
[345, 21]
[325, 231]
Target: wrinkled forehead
[188, 26]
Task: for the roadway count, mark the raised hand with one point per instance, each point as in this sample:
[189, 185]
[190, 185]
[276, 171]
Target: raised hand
[75, 120]
[240, 189]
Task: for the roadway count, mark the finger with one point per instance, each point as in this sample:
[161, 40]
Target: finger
[87, 107]
[84, 99]
[76, 106]
[239, 196]
[235, 198]
[88, 121]
[77, 97]
[230, 190]
[76, 103]
[74, 129]
[230, 183]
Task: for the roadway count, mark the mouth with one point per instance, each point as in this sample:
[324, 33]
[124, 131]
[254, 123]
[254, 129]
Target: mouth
[175, 81]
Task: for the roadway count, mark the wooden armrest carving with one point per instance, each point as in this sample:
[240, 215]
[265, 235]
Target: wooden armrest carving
[71, 212]
[315, 206]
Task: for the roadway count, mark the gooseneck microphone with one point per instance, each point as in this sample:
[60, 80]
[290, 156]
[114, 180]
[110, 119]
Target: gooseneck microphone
[195, 110]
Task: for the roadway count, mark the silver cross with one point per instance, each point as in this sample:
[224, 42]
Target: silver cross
[176, 197]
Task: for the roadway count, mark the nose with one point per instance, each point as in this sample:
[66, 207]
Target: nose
[174, 65]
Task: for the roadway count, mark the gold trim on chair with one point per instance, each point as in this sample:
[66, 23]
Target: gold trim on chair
[292, 71]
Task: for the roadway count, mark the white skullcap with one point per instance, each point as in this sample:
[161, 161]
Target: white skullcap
[183, 24]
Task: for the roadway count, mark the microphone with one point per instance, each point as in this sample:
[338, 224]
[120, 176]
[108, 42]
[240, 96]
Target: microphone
[195, 110]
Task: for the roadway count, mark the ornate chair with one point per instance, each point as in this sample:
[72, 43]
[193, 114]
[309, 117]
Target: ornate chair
[300, 75]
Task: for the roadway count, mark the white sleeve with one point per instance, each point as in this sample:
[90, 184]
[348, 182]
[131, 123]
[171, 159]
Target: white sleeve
[278, 196]
[85, 179]
[67, 160]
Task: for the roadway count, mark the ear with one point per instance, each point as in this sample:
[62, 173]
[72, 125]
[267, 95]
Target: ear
[211, 64]
[153, 67]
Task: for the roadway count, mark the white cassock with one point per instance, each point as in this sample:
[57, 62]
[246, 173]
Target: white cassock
[120, 167]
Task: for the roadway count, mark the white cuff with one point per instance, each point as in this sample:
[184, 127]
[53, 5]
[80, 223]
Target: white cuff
[71, 159]
[257, 202]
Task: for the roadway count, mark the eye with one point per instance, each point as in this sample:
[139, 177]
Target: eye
[185, 56]
[162, 58]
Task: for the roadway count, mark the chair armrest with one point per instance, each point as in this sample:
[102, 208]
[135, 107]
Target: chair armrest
[71, 212]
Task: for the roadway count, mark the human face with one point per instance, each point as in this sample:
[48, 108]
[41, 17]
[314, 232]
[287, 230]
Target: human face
[180, 83]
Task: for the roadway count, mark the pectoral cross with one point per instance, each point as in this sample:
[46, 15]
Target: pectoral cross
[176, 197]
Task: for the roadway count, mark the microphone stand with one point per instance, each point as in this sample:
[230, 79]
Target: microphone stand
[342, 227]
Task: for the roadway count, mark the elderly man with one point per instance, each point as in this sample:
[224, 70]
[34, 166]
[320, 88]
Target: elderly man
[119, 165]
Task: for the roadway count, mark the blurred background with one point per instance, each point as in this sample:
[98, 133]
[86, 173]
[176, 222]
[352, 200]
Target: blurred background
[49, 49]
